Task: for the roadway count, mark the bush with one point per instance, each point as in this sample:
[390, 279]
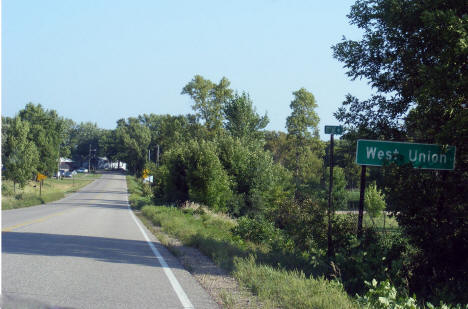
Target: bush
[257, 230]
[383, 295]
[377, 256]
[374, 201]
[195, 173]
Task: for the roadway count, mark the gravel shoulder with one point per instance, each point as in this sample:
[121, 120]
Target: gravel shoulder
[222, 287]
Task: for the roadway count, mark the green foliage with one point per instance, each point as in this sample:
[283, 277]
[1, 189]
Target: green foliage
[21, 153]
[304, 222]
[47, 131]
[243, 121]
[291, 289]
[305, 149]
[258, 230]
[209, 99]
[303, 116]
[257, 182]
[383, 295]
[195, 173]
[86, 135]
[413, 54]
[374, 201]
[381, 256]
[339, 193]
[134, 139]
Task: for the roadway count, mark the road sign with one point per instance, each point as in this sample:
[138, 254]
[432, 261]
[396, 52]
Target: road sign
[41, 177]
[145, 173]
[333, 130]
[424, 156]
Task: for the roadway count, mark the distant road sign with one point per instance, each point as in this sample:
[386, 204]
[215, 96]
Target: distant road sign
[333, 130]
[424, 156]
[41, 177]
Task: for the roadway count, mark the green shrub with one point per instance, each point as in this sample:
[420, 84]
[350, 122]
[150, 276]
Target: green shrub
[383, 295]
[257, 230]
[374, 201]
[195, 173]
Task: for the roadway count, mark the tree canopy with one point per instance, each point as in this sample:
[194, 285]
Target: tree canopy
[414, 55]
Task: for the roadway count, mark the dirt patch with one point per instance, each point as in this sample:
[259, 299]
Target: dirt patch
[224, 289]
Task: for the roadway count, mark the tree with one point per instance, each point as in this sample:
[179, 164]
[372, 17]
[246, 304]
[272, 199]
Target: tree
[134, 139]
[47, 132]
[414, 55]
[84, 136]
[209, 99]
[21, 153]
[242, 119]
[374, 201]
[304, 146]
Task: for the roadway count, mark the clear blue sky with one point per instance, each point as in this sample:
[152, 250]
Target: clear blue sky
[102, 60]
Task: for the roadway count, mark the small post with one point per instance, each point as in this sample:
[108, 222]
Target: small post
[361, 200]
[157, 157]
[330, 251]
[40, 187]
[89, 159]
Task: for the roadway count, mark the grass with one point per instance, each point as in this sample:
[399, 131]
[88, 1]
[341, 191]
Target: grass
[266, 272]
[52, 190]
[382, 223]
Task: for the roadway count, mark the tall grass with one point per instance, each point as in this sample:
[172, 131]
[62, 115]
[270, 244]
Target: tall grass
[52, 190]
[290, 289]
[270, 274]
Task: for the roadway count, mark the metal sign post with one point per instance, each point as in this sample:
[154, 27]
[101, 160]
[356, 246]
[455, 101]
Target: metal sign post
[381, 153]
[331, 130]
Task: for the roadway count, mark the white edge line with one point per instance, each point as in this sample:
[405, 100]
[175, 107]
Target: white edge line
[167, 270]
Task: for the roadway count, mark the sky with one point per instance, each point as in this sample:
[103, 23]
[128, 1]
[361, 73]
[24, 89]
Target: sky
[103, 60]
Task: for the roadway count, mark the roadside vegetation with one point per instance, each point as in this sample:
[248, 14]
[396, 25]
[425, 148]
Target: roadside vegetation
[218, 237]
[265, 193]
[52, 190]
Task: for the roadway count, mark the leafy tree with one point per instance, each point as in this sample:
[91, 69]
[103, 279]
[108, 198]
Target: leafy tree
[257, 182]
[21, 153]
[305, 147]
[134, 139]
[84, 136]
[209, 99]
[195, 173]
[413, 53]
[242, 120]
[277, 144]
[374, 201]
[47, 131]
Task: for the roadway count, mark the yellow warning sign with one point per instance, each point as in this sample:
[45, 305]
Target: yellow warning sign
[41, 177]
[145, 173]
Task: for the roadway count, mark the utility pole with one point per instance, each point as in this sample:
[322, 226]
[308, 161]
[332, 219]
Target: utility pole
[330, 251]
[157, 156]
[331, 211]
[89, 159]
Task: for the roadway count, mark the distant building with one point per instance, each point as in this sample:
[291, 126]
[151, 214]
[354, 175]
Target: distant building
[105, 163]
[67, 164]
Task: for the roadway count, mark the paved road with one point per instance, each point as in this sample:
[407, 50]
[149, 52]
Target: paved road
[89, 251]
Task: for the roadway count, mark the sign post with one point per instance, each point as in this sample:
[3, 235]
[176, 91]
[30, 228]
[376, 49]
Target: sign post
[331, 130]
[381, 153]
[40, 177]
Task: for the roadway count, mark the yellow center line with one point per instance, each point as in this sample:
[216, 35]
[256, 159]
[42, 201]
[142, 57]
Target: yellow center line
[11, 228]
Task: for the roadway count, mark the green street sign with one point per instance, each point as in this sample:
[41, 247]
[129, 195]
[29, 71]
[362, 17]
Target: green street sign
[424, 156]
[333, 130]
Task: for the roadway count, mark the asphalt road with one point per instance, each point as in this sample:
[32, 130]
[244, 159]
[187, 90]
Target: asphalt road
[89, 251]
